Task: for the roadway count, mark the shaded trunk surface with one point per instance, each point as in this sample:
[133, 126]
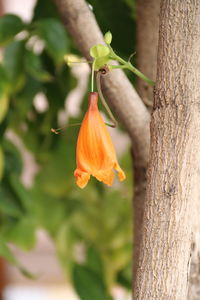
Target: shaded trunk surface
[147, 44]
[173, 176]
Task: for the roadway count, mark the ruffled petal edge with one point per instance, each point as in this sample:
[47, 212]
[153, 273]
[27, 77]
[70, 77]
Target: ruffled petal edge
[106, 176]
[82, 178]
[121, 173]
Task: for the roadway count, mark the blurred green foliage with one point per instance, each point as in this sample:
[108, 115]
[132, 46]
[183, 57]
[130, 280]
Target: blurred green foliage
[97, 219]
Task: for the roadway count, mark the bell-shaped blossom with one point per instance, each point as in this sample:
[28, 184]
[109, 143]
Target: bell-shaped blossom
[95, 153]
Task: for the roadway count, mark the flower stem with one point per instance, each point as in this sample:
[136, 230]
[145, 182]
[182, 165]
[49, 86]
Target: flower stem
[129, 66]
[92, 77]
[104, 102]
[139, 74]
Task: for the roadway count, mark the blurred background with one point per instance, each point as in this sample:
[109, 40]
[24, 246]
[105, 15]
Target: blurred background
[57, 241]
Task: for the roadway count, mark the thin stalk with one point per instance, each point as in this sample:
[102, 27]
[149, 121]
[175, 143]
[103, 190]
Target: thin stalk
[92, 77]
[98, 80]
[128, 65]
[117, 66]
[56, 130]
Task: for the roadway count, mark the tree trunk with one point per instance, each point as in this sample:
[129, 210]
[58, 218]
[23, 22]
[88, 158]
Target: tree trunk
[173, 175]
[147, 44]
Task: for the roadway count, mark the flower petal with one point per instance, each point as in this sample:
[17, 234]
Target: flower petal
[121, 173]
[95, 153]
[106, 176]
[82, 178]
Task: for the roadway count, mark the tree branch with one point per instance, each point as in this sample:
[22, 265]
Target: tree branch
[122, 97]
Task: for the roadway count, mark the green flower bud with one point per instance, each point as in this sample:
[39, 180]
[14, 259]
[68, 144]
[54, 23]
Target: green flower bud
[108, 38]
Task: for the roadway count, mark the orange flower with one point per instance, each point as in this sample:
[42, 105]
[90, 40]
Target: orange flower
[95, 153]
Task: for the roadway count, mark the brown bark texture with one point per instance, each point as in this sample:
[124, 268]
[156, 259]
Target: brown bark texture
[173, 174]
[147, 44]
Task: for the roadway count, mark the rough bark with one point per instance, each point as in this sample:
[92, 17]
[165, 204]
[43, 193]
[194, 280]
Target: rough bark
[147, 44]
[173, 175]
[122, 97]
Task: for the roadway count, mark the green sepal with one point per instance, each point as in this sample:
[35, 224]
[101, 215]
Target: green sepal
[100, 53]
[99, 50]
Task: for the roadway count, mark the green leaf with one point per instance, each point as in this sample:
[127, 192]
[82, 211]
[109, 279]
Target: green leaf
[22, 193]
[89, 285]
[10, 25]
[23, 234]
[124, 277]
[56, 176]
[45, 9]
[24, 98]
[1, 163]
[13, 63]
[8, 203]
[94, 261]
[33, 65]
[6, 253]
[13, 161]
[4, 82]
[55, 37]
[4, 105]
[26, 273]
[4, 87]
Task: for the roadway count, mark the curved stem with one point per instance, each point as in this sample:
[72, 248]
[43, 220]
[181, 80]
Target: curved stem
[128, 65]
[98, 80]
